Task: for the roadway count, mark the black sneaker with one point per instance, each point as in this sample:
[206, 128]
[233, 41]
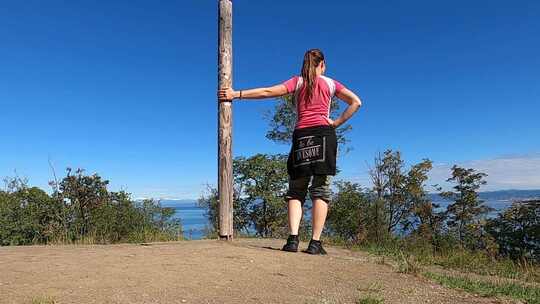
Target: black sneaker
[292, 244]
[315, 247]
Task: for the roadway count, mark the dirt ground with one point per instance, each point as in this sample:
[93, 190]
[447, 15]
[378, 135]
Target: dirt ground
[207, 271]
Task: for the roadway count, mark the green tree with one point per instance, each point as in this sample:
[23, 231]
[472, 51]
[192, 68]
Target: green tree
[155, 222]
[80, 208]
[517, 230]
[241, 214]
[389, 186]
[84, 194]
[401, 203]
[260, 183]
[349, 215]
[40, 215]
[28, 215]
[209, 200]
[427, 221]
[263, 180]
[466, 211]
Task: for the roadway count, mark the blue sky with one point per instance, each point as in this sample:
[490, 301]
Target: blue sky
[127, 88]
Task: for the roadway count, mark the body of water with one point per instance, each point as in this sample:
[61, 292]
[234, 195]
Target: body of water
[194, 221]
[497, 205]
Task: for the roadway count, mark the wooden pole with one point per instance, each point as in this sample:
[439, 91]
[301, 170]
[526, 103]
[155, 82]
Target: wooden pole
[225, 178]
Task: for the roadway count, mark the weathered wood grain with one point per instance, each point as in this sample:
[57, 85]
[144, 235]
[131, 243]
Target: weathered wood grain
[225, 177]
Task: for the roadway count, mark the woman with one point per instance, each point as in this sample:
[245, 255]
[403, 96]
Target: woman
[314, 146]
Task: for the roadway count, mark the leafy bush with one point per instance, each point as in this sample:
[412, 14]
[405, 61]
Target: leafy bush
[517, 230]
[80, 210]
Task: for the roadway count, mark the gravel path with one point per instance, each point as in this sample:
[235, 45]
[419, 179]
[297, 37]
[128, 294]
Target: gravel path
[206, 271]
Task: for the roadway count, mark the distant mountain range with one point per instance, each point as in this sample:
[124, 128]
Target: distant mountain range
[171, 202]
[502, 195]
[178, 203]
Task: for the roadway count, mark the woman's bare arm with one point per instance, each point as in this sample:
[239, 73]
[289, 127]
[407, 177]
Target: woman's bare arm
[228, 94]
[354, 103]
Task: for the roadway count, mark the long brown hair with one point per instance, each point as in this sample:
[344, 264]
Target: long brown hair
[312, 59]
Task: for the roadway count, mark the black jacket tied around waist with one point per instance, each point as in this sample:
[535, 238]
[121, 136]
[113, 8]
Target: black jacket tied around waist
[313, 152]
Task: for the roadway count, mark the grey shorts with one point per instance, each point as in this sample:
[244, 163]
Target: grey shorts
[320, 188]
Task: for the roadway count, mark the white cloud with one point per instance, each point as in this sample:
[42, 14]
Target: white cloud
[505, 172]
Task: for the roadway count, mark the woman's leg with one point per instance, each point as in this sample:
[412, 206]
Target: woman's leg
[295, 197]
[320, 209]
[295, 215]
[320, 196]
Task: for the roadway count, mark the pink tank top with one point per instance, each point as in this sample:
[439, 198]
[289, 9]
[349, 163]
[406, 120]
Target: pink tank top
[312, 112]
